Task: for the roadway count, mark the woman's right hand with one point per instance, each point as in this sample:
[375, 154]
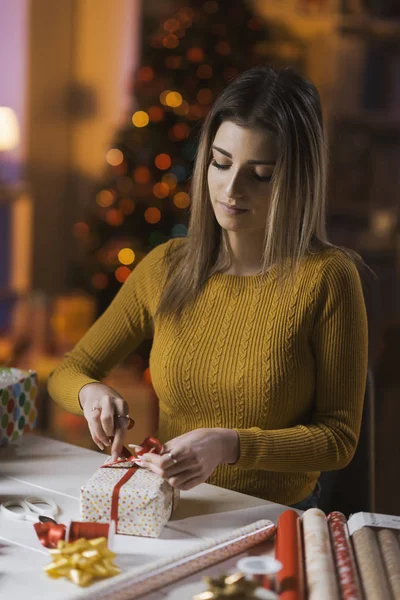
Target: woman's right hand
[101, 405]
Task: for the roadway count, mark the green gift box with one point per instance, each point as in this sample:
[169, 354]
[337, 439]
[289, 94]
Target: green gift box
[18, 411]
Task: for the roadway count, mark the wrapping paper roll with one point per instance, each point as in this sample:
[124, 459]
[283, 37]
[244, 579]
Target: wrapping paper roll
[343, 553]
[370, 564]
[320, 567]
[288, 550]
[165, 571]
[390, 551]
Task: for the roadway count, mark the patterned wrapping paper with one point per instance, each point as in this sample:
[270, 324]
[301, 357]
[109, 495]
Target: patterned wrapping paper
[145, 501]
[18, 411]
[343, 553]
[370, 564]
[320, 567]
[391, 557]
[164, 571]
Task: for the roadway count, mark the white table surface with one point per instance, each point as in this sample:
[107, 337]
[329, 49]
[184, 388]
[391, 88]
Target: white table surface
[35, 465]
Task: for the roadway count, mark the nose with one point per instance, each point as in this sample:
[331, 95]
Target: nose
[234, 188]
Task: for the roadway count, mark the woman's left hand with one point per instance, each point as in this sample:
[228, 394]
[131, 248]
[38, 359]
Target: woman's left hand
[188, 460]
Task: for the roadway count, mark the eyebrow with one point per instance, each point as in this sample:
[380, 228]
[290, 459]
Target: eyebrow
[249, 162]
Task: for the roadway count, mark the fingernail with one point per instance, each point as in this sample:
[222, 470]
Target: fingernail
[110, 442]
[100, 446]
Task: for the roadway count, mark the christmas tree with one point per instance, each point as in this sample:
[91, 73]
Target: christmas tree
[144, 199]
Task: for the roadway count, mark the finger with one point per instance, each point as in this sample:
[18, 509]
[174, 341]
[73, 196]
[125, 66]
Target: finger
[97, 428]
[121, 407]
[181, 473]
[168, 458]
[151, 466]
[107, 415]
[150, 458]
[178, 452]
[191, 483]
[119, 436]
[174, 469]
[181, 478]
[94, 437]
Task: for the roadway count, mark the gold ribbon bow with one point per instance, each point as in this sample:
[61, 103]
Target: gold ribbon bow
[81, 561]
[235, 587]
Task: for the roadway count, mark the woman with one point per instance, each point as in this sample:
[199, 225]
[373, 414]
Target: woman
[259, 329]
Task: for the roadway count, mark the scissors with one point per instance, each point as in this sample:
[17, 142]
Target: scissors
[30, 509]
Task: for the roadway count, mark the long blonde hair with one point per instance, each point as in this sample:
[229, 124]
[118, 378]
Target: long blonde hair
[284, 103]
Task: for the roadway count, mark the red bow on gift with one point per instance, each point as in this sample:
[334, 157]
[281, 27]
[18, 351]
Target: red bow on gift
[150, 444]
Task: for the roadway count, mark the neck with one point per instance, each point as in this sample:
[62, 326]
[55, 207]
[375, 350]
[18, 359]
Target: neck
[245, 251]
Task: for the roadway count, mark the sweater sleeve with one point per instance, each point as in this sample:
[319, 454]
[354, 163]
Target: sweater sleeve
[118, 331]
[340, 347]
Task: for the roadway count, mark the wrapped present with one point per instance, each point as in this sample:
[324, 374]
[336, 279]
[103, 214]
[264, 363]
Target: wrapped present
[18, 411]
[139, 501]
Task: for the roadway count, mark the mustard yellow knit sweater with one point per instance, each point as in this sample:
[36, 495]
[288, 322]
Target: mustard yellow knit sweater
[284, 367]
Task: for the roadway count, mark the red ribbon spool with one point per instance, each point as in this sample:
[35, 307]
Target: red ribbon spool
[50, 534]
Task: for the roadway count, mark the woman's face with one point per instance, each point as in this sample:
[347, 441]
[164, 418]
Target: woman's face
[239, 177]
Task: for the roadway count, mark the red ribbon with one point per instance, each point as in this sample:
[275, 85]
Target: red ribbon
[150, 444]
[50, 534]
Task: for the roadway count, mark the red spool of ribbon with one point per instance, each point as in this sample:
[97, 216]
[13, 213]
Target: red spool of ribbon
[50, 534]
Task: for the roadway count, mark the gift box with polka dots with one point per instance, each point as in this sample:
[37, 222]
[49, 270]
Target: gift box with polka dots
[145, 501]
[18, 411]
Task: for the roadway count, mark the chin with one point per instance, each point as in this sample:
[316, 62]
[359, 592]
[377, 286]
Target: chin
[228, 224]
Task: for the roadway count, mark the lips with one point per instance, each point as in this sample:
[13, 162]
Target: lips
[233, 207]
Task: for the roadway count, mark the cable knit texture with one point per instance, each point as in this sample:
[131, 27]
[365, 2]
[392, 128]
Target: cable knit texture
[283, 365]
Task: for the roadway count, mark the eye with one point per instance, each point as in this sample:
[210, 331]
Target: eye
[219, 166]
[262, 178]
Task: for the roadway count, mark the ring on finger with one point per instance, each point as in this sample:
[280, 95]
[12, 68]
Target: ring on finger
[169, 453]
[131, 422]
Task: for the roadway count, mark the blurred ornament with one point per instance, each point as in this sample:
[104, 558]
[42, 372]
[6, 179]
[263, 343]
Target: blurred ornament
[170, 41]
[179, 230]
[140, 118]
[195, 54]
[181, 200]
[145, 74]
[161, 190]
[162, 161]
[114, 217]
[173, 99]
[156, 114]
[127, 206]
[106, 198]
[122, 274]
[141, 175]
[114, 157]
[126, 256]
[152, 215]
[81, 230]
